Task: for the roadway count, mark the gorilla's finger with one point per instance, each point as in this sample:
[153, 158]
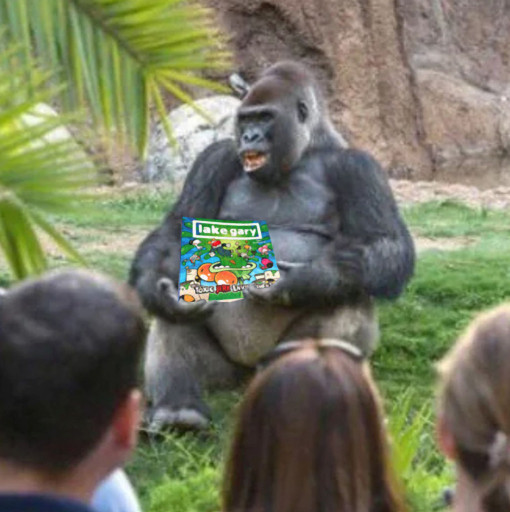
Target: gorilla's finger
[166, 285]
[276, 294]
[287, 265]
[179, 308]
[258, 294]
[199, 309]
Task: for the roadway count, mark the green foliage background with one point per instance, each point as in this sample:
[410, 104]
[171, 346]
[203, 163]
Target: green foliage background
[104, 64]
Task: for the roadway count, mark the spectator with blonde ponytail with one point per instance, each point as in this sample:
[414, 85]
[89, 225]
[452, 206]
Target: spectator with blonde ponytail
[474, 413]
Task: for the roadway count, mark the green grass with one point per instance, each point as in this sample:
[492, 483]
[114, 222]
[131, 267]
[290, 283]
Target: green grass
[116, 212]
[447, 218]
[182, 473]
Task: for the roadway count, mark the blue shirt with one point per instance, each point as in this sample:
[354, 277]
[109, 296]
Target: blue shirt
[40, 503]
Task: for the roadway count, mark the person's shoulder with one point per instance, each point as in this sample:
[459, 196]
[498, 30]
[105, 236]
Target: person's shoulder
[116, 494]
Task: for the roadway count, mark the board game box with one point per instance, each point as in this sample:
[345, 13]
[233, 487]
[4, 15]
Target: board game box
[221, 258]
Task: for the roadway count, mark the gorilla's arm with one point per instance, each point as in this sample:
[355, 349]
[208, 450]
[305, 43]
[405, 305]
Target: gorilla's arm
[374, 244]
[155, 268]
[373, 251]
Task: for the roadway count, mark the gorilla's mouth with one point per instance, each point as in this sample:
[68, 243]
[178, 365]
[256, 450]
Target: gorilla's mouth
[253, 160]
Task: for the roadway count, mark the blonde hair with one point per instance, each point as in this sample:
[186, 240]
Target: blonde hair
[474, 404]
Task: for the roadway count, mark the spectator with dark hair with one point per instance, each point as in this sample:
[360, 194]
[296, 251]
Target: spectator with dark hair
[473, 422]
[310, 436]
[70, 347]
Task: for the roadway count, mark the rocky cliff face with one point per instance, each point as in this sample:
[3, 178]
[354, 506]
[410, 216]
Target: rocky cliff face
[423, 84]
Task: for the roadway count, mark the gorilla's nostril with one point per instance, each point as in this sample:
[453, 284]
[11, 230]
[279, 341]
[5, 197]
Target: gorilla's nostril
[251, 136]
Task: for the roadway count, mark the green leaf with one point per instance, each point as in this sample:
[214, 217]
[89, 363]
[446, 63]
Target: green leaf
[18, 239]
[42, 170]
[118, 57]
[68, 249]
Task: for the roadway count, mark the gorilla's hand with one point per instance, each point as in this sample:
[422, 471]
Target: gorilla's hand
[277, 293]
[326, 281]
[177, 309]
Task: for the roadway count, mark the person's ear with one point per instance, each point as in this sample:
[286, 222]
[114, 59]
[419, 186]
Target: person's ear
[127, 421]
[445, 440]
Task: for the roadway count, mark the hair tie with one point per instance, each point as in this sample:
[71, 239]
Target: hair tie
[345, 346]
[499, 450]
[289, 346]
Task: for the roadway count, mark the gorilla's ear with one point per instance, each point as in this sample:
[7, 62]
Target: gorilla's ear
[302, 111]
[238, 84]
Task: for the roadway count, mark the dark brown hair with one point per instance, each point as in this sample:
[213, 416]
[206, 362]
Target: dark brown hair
[310, 438]
[474, 404]
[70, 345]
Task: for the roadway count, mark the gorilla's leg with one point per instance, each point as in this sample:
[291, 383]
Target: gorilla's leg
[354, 323]
[247, 330]
[181, 360]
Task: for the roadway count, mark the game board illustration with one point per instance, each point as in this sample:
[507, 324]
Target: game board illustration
[221, 258]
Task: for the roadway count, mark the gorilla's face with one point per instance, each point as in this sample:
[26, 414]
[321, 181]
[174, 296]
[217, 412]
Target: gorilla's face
[274, 126]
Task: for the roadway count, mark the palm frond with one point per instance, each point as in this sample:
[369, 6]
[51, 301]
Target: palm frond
[41, 169]
[118, 56]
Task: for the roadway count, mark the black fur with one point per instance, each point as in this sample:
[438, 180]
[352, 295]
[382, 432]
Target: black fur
[158, 255]
[372, 250]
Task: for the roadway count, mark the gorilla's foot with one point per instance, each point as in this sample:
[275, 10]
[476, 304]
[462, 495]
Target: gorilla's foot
[186, 418]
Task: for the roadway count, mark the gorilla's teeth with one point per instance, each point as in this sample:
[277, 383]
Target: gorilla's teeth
[253, 160]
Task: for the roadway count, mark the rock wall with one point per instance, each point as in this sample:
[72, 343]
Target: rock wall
[419, 83]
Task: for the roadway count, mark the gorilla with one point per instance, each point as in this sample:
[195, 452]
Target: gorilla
[337, 235]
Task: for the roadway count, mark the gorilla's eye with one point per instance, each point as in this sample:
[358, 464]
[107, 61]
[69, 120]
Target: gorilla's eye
[265, 117]
[302, 111]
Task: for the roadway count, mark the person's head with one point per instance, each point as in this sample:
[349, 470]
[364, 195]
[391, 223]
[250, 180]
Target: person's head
[474, 408]
[70, 345]
[310, 436]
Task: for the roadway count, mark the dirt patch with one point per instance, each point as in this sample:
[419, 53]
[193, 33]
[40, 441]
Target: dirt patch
[406, 192]
[442, 244]
[115, 242]
[95, 240]
[412, 192]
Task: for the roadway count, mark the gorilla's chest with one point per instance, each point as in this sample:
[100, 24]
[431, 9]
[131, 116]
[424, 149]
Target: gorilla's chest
[301, 214]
